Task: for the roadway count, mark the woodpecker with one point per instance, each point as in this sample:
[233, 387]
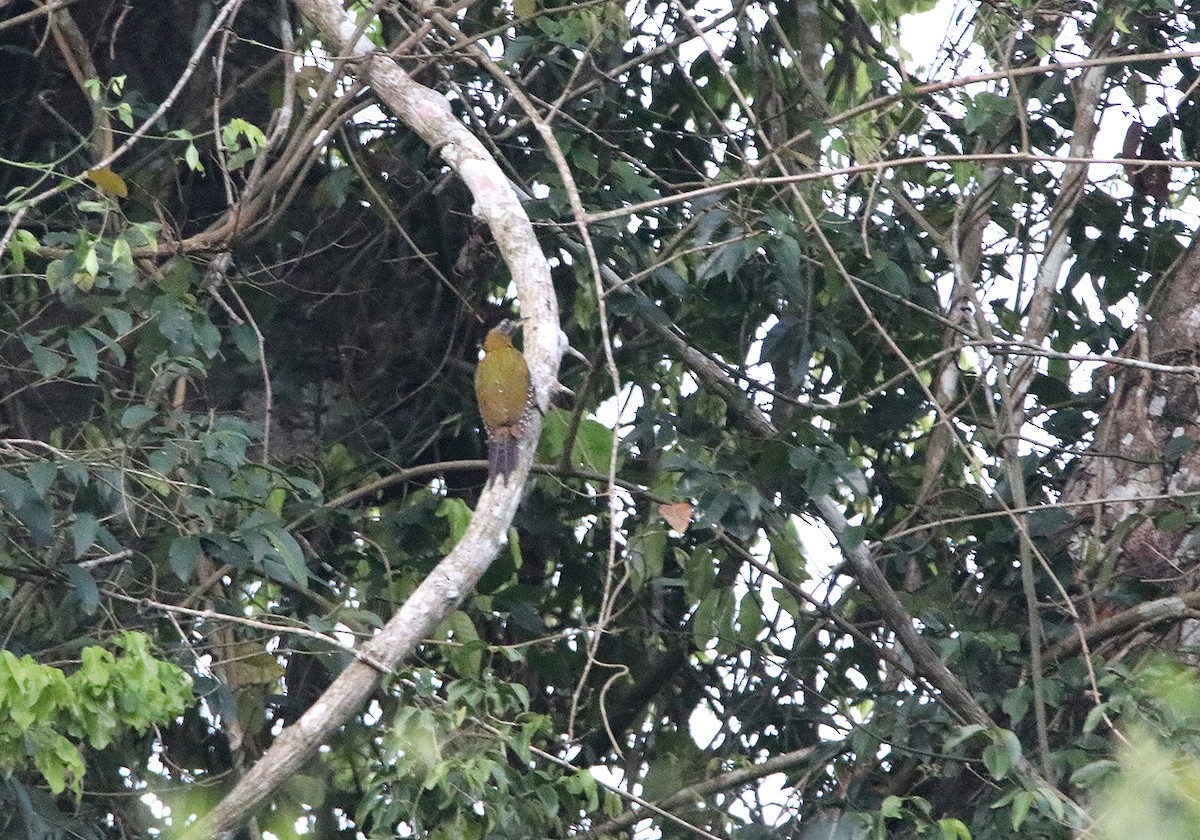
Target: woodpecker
[505, 397]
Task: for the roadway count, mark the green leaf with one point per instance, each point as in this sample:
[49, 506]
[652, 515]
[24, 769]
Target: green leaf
[986, 110]
[699, 574]
[23, 241]
[750, 621]
[1012, 744]
[19, 497]
[852, 538]
[38, 517]
[173, 321]
[48, 362]
[583, 782]
[183, 556]
[592, 441]
[953, 829]
[85, 588]
[83, 348]
[56, 759]
[289, 551]
[646, 555]
[714, 619]
[1002, 754]
[107, 342]
[1094, 772]
[15, 492]
[83, 533]
[238, 128]
[1094, 716]
[118, 319]
[1020, 808]
[585, 160]
[246, 341]
[240, 158]
[458, 515]
[464, 649]
[191, 157]
[788, 552]
[141, 234]
[136, 415]
[1016, 702]
[41, 476]
[593, 446]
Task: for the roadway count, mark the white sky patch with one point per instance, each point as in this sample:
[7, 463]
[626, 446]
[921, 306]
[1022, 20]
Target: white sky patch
[923, 36]
[621, 409]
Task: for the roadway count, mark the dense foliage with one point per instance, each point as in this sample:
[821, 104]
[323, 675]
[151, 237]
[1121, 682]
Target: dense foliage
[896, 393]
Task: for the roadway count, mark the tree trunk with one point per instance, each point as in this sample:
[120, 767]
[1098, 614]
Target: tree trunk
[1143, 462]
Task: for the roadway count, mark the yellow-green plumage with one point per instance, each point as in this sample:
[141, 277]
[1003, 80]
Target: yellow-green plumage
[502, 388]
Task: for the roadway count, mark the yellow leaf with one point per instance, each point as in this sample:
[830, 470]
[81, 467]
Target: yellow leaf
[525, 9]
[109, 182]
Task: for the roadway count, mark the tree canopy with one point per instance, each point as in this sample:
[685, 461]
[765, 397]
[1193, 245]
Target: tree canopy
[864, 502]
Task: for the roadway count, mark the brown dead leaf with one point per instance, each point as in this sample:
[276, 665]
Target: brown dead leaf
[678, 515]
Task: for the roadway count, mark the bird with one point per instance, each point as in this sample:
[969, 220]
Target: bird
[505, 396]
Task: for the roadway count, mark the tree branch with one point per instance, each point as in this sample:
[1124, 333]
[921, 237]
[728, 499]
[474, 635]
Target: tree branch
[429, 115]
[702, 790]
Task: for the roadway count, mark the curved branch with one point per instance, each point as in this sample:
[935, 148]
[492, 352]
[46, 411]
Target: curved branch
[428, 115]
[1171, 608]
[702, 790]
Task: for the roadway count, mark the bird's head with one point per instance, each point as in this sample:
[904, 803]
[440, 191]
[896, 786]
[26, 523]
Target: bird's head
[500, 335]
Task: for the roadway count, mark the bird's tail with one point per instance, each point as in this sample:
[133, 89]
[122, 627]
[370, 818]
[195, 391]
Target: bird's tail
[502, 458]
